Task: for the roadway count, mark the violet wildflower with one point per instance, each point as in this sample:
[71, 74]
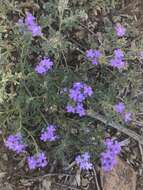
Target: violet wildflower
[35, 30]
[29, 24]
[41, 160]
[73, 94]
[78, 93]
[70, 109]
[32, 26]
[118, 63]
[97, 54]
[118, 53]
[120, 107]
[37, 161]
[87, 90]
[49, 134]
[127, 117]
[32, 162]
[107, 161]
[93, 55]
[90, 53]
[30, 19]
[120, 30]
[83, 161]
[94, 62]
[109, 156]
[80, 109]
[15, 143]
[78, 85]
[113, 146]
[44, 66]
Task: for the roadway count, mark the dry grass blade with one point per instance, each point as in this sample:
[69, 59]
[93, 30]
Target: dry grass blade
[96, 180]
[62, 5]
[116, 126]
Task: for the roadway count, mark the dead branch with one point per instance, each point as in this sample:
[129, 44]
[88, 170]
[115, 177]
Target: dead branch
[119, 127]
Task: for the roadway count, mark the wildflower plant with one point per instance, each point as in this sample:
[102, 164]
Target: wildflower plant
[46, 81]
[15, 143]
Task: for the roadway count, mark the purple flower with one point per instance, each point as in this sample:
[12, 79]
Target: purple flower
[120, 107]
[90, 53]
[37, 161]
[78, 93]
[73, 94]
[83, 161]
[48, 134]
[44, 66]
[15, 143]
[97, 54]
[80, 97]
[41, 160]
[118, 53]
[127, 117]
[32, 162]
[93, 55]
[108, 161]
[113, 146]
[32, 25]
[70, 109]
[118, 63]
[120, 30]
[109, 156]
[30, 19]
[78, 85]
[80, 109]
[87, 90]
[35, 30]
[94, 61]
[116, 148]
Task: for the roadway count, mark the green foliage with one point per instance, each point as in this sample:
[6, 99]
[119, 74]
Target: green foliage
[29, 101]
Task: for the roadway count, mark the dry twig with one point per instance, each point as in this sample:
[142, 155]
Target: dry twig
[120, 128]
[96, 180]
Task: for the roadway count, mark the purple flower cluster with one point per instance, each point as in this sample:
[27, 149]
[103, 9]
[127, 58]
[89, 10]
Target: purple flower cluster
[93, 56]
[120, 109]
[108, 157]
[83, 161]
[44, 66]
[37, 161]
[15, 143]
[31, 25]
[117, 61]
[48, 134]
[78, 93]
[120, 30]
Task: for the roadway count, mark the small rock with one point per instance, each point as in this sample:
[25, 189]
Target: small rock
[122, 177]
